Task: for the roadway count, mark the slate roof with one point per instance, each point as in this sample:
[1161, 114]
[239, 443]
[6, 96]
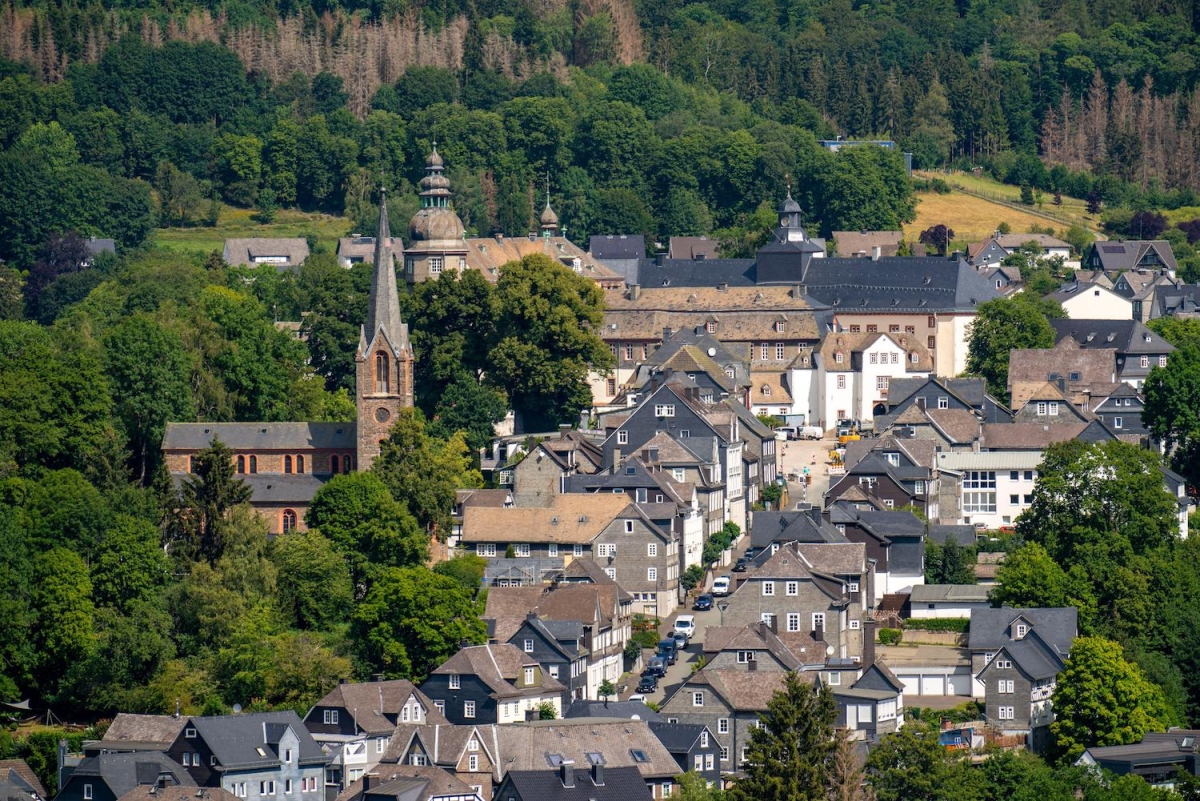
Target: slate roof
[617, 246]
[1125, 336]
[886, 524]
[956, 425]
[574, 518]
[407, 783]
[244, 251]
[123, 772]
[861, 243]
[940, 534]
[1183, 299]
[284, 488]
[677, 737]
[689, 247]
[529, 746]
[142, 732]
[633, 710]
[1056, 626]
[235, 739]
[261, 436]
[1077, 289]
[1125, 255]
[1025, 436]
[1029, 370]
[375, 706]
[620, 784]
[751, 637]
[498, 665]
[20, 780]
[590, 604]
[799, 526]
[743, 690]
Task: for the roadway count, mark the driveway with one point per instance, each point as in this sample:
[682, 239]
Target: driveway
[796, 455]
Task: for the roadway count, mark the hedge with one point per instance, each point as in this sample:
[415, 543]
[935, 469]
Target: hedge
[890, 636]
[956, 624]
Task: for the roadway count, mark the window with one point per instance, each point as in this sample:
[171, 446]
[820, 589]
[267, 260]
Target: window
[818, 621]
[1028, 499]
[454, 681]
[1029, 475]
[300, 464]
[765, 351]
[629, 353]
[241, 464]
[468, 709]
[652, 549]
[1053, 409]
[1014, 499]
[780, 326]
[241, 790]
[779, 351]
[979, 491]
[528, 646]
[838, 357]
[943, 402]
[872, 329]
[855, 625]
[287, 786]
[1162, 362]
[189, 732]
[87, 792]
[652, 574]
[611, 386]
[529, 676]
[440, 705]
[724, 753]
[473, 763]
[841, 379]
[874, 358]
[1005, 686]
[287, 755]
[577, 551]
[628, 526]
[722, 727]
[664, 410]
[1003, 664]
[1005, 713]
[331, 716]
[835, 678]
[333, 464]
[881, 383]
[768, 588]
[1118, 422]
[666, 789]
[347, 464]
[698, 699]
[552, 549]
[853, 586]
[435, 265]
[611, 572]
[485, 549]
[854, 329]
[382, 378]
[622, 437]
[793, 622]
[287, 464]
[792, 588]
[521, 549]
[253, 464]
[745, 657]
[1145, 361]
[1022, 630]
[768, 618]
[1014, 475]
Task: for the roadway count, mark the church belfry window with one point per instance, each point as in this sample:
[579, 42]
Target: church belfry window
[381, 372]
[287, 464]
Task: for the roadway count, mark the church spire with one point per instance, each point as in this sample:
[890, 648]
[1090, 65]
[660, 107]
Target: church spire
[383, 310]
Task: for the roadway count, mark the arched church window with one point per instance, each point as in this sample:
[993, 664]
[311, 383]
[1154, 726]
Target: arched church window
[300, 464]
[347, 464]
[381, 372]
[333, 464]
[253, 464]
[241, 463]
[289, 521]
[287, 464]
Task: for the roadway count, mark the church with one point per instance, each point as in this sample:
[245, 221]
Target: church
[284, 464]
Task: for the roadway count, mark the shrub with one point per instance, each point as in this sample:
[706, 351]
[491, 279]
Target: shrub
[955, 624]
[890, 636]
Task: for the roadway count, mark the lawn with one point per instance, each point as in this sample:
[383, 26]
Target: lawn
[971, 218]
[1073, 209]
[234, 223]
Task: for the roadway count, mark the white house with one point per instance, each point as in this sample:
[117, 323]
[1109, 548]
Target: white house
[1084, 301]
[947, 600]
[989, 488]
[855, 371]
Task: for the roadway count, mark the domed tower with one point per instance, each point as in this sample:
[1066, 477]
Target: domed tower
[786, 258]
[549, 220]
[436, 236]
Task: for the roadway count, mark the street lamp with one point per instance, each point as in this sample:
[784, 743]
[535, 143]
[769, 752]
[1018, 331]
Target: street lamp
[723, 606]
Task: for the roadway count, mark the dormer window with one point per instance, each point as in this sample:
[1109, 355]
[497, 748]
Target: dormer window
[189, 732]
[454, 681]
[528, 676]
[766, 390]
[1021, 630]
[780, 327]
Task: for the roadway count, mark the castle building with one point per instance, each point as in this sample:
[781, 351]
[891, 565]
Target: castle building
[284, 464]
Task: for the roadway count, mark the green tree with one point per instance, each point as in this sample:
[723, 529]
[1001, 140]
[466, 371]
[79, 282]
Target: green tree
[205, 498]
[130, 566]
[411, 621]
[1002, 326]
[694, 787]
[1101, 699]
[236, 165]
[314, 581]
[546, 323]
[1172, 411]
[788, 756]
[63, 630]
[465, 568]
[948, 564]
[910, 765]
[149, 370]
[367, 525]
[1030, 578]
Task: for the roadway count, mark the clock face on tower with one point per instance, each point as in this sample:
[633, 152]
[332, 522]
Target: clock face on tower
[783, 221]
[382, 415]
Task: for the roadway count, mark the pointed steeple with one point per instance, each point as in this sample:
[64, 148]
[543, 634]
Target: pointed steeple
[383, 310]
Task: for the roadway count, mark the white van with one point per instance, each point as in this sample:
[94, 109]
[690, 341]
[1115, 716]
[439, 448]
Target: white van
[786, 433]
[810, 432]
[721, 585]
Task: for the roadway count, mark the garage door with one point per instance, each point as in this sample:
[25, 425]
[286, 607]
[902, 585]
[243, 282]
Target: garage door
[911, 682]
[960, 682]
[933, 685]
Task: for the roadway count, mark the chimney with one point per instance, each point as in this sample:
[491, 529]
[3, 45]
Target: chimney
[667, 333]
[774, 624]
[721, 287]
[819, 631]
[798, 291]
[563, 430]
[876, 252]
[752, 666]
[343, 681]
[868, 642]
[660, 259]
[616, 456]
[567, 773]
[598, 774]
[635, 291]
[366, 782]
[376, 677]
[531, 615]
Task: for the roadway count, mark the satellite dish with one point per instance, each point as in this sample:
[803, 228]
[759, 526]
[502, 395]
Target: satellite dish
[712, 351]
[237, 708]
[829, 650]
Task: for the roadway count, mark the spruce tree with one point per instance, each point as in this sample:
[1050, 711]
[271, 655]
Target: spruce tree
[790, 754]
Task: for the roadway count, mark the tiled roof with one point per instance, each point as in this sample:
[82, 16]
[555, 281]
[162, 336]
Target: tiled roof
[862, 243]
[957, 425]
[499, 666]
[129, 730]
[752, 637]
[404, 782]
[489, 254]
[741, 313]
[1025, 436]
[574, 518]
[768, 389]
[964, 593]
[531, 746]
[743, 690]
[151, 792]
[21, 768]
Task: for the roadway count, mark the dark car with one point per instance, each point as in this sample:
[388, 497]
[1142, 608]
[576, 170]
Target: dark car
[655, 667]
[648, 684]
[703, 603]
[751, 552]
[742, 564]
[668, 651]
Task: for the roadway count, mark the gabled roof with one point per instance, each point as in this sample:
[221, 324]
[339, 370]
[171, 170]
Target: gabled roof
[498, 666]
[885, 525]
[617, 246]
[535, 745]
[949, 593]
[691, 247]
[679, 738]
[956, 425]
[862, 243]
[141, 732]
[631, 710]
[752, 637]
[573, 518]
[407, 783]
[18, 774]
[792, 526]
[443, 743]
[150, 792]
[742, 690]
[1024, 436]
[375, 706]
[252, 740]
[244, 251]
[1044, 241]
[123, 772]
[1057, 627]
[261, 436]
[620, 784]
[1124, 336]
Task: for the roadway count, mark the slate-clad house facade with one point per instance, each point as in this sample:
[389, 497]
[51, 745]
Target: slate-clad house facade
[259, 756]
[693, 746]
[494, 683]
[107, 777]
[1138, 349]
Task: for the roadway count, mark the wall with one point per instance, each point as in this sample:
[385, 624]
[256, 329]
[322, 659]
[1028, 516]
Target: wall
[1098, 304]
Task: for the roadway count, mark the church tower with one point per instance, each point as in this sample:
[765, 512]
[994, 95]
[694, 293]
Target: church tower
[384, 368]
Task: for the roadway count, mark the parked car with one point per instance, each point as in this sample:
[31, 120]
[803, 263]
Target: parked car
[810, 432]
[742, 564]
[681, 642]
[703, 603]
[668, 650]
[638, 696]
[722, 585]
[655, 667]
[648, 684]
[786, 433]
[686, 625]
